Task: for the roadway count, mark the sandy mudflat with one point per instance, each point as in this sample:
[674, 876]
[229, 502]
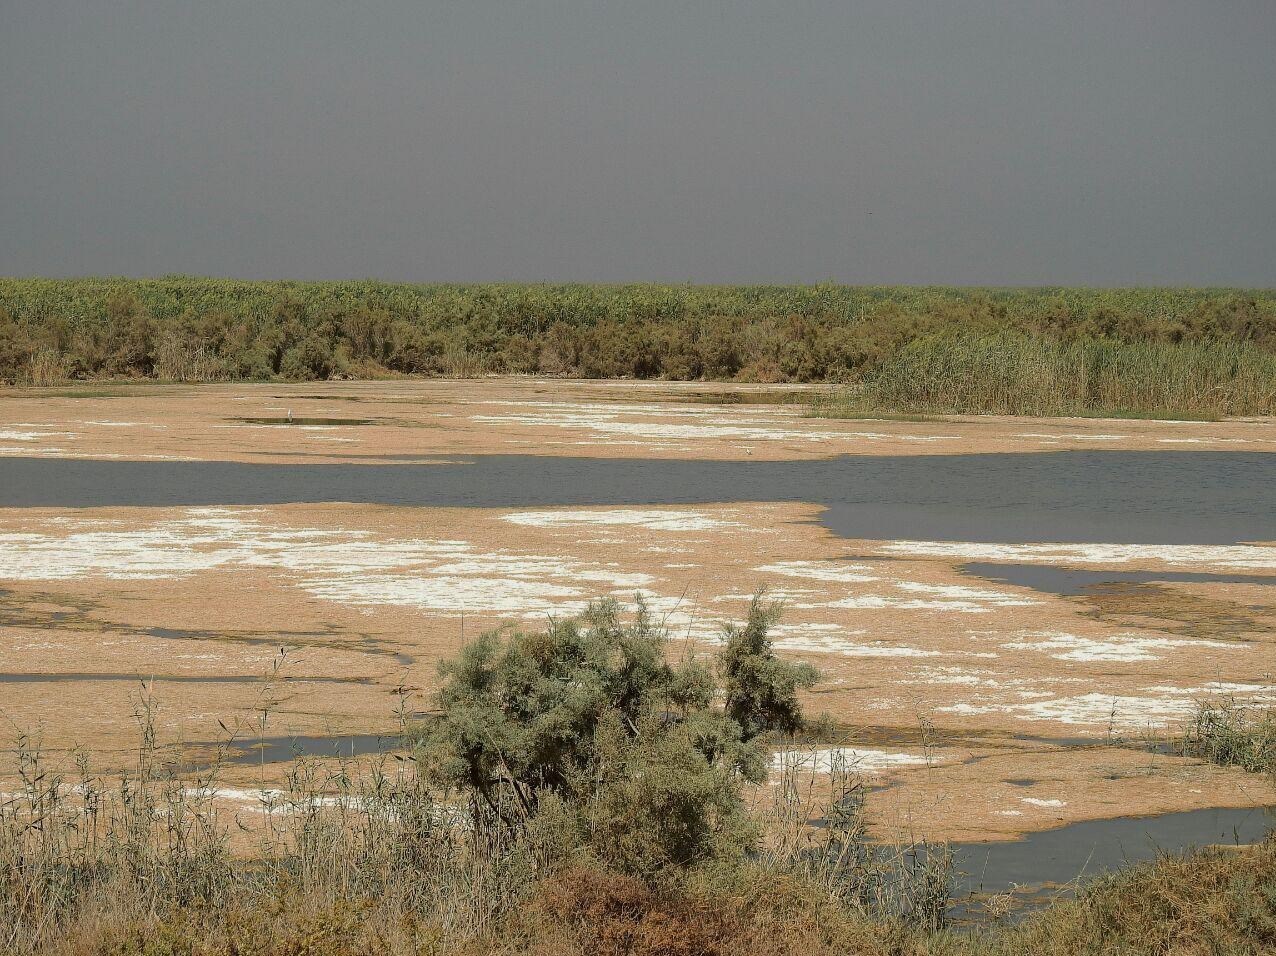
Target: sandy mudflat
[334, 421]
[980, 707]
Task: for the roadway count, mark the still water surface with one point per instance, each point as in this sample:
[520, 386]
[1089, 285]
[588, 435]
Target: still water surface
[1115, 496]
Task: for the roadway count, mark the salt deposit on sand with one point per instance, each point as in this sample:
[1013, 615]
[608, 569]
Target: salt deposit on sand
[338, 564]
[875, 602]
[819, 571]
[818, 638]
[849, 759]
[615, 421]
[1072, 436]
[1126, 711]
[1257, 557]
[648, 520]
[1117, 647]
[938, 597]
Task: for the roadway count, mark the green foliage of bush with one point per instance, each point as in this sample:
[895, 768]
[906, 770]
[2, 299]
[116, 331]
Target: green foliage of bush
[590, 718]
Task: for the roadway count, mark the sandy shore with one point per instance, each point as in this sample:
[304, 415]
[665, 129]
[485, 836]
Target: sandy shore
[350, 421]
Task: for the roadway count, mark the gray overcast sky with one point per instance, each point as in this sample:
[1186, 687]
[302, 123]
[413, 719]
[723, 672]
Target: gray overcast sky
[1105, 142]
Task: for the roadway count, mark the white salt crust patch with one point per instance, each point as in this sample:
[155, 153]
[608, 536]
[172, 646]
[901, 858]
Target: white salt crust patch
[1208, 441]
[351, 566]
[873, 602]
[833, 639]
[1125, 711]
[1038, 802]
[281, 802]
[842, 759]
[648, 520]
[819, 571]
[1250, 693]
[450, 595]
[788, 596]
[979, 677]
[195, 793]
[36, 440]
[662, 431]
[612, 408]
[1072, 436]
[1229, 556]
[1118, 647]
[938, 597]
[610, 421]
[809, 629]
[347, 565]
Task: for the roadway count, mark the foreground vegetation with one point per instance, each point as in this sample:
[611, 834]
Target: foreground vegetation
[190, 329]
[1213, 902]
[581, 790]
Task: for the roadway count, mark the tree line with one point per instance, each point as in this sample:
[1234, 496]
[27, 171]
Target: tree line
[193, 329]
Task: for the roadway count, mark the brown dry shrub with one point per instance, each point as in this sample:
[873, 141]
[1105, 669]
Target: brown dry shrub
[289, 926]
[47, 367]
[599, 913]
[609, 914]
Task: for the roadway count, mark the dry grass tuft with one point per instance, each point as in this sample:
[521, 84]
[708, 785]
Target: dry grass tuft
[1231, 734]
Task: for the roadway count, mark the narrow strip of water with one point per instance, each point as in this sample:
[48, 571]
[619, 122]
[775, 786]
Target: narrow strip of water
[1114, 496]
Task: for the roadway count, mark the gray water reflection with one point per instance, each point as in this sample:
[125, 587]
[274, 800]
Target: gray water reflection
[1075, 581]
[282, 749]
[1113, 496]
[1038, 866]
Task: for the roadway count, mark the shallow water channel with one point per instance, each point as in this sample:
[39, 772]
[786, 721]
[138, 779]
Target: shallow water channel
[1078, 581]
[1046, 864]
[1116, 496]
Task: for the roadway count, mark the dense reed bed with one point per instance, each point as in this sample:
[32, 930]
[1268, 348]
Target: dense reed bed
[1017, 374]
[192, 329]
